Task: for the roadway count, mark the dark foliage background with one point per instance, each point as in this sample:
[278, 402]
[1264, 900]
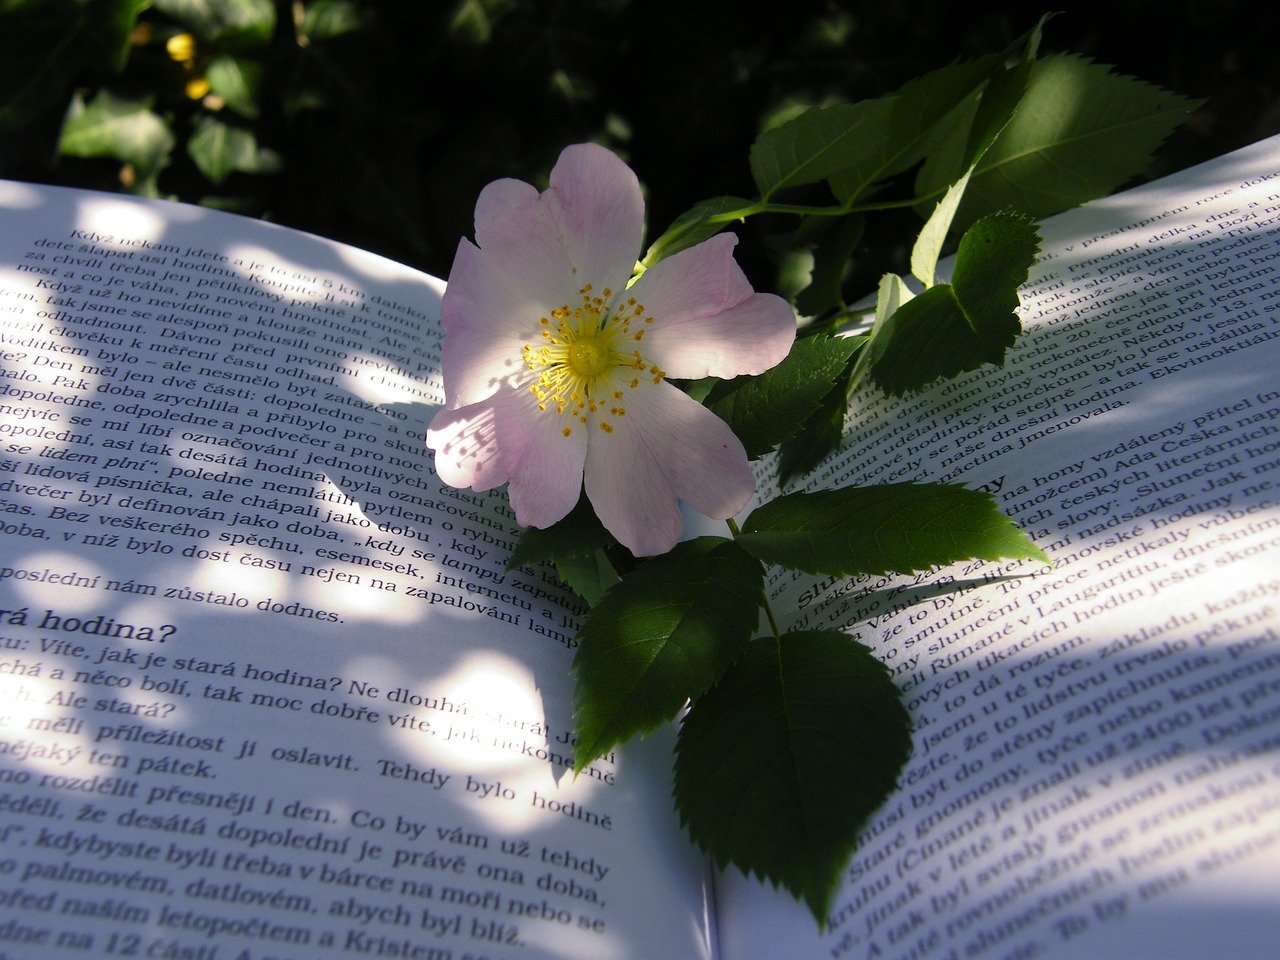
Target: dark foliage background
[377, 122]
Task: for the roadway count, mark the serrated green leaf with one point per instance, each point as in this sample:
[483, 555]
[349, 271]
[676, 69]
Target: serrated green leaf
[820, 143]
[576, 546]
[819, 437]
[920, 114]
[928, 245]
[823, 430]
[220, 149]
[999, 102]
[884, 528]
[692, 227]
[663, 635]
[590, 577]
[891, 294]
[236, 81]
[1001, 99]
[767, 409]
[951, 328]
[779, 766]
[580, 534]
[1027, 46]
[112, 126]
[1079, 132]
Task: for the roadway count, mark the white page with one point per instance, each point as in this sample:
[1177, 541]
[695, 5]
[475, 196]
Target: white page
[1094, 768]
[333, 725]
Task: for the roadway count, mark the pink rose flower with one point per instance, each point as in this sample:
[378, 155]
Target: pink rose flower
[555, 370]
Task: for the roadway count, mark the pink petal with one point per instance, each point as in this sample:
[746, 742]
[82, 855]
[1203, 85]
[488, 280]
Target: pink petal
[587, 227]
[547, 480]
[525, 252]
[667, 448]
[507, 439]
[487, 320]
[707, 319]
[600, 211]
[535, 253]
[468, 451]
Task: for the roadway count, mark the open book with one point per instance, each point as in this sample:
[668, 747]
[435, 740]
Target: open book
[266, 691]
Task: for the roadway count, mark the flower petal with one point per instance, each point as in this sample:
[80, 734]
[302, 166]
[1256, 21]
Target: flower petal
[487, 320]
[524, 248]
[707, 319]
[467, 446]
[533, 253]
[507, 439]
[587, 227]
[547, 481]
[667, 448]
[600, 212]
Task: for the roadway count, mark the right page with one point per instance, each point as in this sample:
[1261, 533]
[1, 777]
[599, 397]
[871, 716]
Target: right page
[1095, 769]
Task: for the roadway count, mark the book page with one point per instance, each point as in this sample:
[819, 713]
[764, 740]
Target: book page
[265, 687]
[1095, 769]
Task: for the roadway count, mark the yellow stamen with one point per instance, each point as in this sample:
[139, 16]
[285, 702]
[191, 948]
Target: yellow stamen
[580, 360]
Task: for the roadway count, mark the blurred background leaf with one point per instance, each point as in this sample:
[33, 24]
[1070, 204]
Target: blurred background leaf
[377, 122]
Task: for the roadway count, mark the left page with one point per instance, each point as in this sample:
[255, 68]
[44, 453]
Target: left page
[265, 687]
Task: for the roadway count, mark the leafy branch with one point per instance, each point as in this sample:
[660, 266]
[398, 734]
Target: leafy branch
[803, 734]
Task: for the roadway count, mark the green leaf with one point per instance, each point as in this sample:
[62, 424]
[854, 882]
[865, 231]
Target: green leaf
[820, 143]
[584, 554]
[779, 766]
[236, 82]
[820, 435]
[229, 23]
[111, 126]
[891, 294]
[46, 44]
[767, 409]
[854, 146]
[823, 432]
[951, 328]
[590, 577]
[220, 149]
[580, 534]
[663, 635]
[326, 19]
[693, 226]
[831, 258]
[920, 114]
[999, 101]
[884, 528]
[928, 245]
[1079, 132]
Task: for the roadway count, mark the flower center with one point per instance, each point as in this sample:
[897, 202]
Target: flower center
[586, 359]
[589, 357]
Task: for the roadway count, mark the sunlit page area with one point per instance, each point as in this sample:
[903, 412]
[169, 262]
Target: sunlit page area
[265, 683]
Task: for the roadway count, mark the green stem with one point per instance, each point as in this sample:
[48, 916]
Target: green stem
[806, 210]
